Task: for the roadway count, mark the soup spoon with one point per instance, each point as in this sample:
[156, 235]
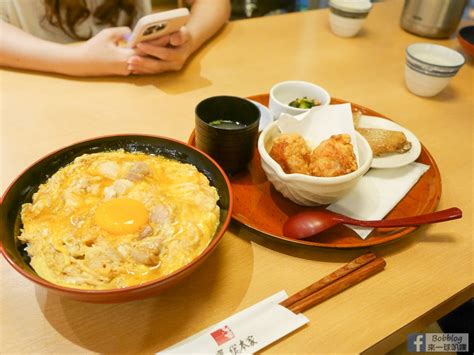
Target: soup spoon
[308, 223]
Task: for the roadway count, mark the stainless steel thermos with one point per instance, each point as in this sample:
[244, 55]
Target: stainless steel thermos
[432, 18]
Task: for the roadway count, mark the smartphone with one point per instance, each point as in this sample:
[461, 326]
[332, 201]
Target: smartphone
[156, 25]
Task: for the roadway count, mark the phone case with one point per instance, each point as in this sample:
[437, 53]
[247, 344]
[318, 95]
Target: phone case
[156, 25]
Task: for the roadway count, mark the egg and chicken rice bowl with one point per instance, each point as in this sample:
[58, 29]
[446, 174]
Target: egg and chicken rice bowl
[117, 219]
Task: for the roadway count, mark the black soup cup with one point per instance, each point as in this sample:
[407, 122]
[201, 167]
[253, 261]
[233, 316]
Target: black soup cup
[227, 130]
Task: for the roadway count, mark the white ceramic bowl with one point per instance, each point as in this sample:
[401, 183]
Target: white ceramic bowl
[347, 16]
[430, 67]
[309, 190]
[283, 93]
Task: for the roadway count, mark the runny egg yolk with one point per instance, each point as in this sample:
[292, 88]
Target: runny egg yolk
[121, 216]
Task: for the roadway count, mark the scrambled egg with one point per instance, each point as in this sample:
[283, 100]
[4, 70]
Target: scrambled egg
[116, 219]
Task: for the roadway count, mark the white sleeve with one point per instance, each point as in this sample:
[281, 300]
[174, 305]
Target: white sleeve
[4, 10]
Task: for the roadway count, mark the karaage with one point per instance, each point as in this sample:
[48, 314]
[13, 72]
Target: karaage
[333, 157]
[291, 152]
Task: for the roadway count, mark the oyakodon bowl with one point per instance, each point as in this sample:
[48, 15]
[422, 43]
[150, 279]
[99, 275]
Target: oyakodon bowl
[23, 188]
[309, 190]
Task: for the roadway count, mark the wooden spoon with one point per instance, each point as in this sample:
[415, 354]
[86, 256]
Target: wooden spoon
[308, 223]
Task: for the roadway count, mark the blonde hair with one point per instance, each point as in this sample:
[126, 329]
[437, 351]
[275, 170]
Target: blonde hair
[67, 14]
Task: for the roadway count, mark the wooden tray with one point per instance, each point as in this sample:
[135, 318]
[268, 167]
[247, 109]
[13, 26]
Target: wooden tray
[263, 209]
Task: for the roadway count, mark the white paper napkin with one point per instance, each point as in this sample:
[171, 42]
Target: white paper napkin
[245, 332]
[320, 123]
[377, 193]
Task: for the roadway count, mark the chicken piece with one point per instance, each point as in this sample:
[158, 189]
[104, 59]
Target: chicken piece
[79, 185]
[384, 141]
[118, 188]
[291, 152]
[109, 169]
[147, 252]
[138, 171]
[333, 157]
[70, 199]
[145, 232]
[93, 189]
[160, 214]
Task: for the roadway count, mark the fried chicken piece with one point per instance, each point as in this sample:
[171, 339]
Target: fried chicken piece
[291, 152]
[333, 157]
[383, 141]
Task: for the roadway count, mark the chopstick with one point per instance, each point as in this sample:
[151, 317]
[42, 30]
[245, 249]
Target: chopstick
[350, 274]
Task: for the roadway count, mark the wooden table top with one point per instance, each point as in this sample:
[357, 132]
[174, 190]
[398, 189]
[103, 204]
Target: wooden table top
[427, 274]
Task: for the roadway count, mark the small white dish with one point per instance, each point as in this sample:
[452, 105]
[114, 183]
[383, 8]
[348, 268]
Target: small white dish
[283, 93]
[266, 116]
[392, 160]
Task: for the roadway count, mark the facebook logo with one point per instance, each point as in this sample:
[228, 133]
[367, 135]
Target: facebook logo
[416, 342]
[438, 342]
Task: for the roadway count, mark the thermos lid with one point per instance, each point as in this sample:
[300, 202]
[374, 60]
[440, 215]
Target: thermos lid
[358, 6]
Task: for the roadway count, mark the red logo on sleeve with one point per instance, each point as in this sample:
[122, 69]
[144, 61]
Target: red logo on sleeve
[222, 335]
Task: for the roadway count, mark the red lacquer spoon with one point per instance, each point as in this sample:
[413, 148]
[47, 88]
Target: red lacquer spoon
[308, 223]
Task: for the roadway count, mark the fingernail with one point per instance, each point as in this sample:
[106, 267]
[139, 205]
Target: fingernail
[129, 67]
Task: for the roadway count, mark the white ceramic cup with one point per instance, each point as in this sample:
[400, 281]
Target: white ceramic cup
[423, 84]
[347, 16]
[283, 93]
[345, 27]
[430, 67]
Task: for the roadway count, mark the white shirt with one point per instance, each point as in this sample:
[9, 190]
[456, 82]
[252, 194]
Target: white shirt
[29, 15]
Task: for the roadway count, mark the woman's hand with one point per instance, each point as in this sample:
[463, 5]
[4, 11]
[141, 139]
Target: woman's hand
[172, 52]
[103, 55]
[168, 53]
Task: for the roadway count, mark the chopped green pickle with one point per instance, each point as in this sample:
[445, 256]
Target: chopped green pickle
[304, 103]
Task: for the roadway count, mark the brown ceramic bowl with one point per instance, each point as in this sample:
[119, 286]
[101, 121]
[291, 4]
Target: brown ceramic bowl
[22, 189]
[466, 39]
